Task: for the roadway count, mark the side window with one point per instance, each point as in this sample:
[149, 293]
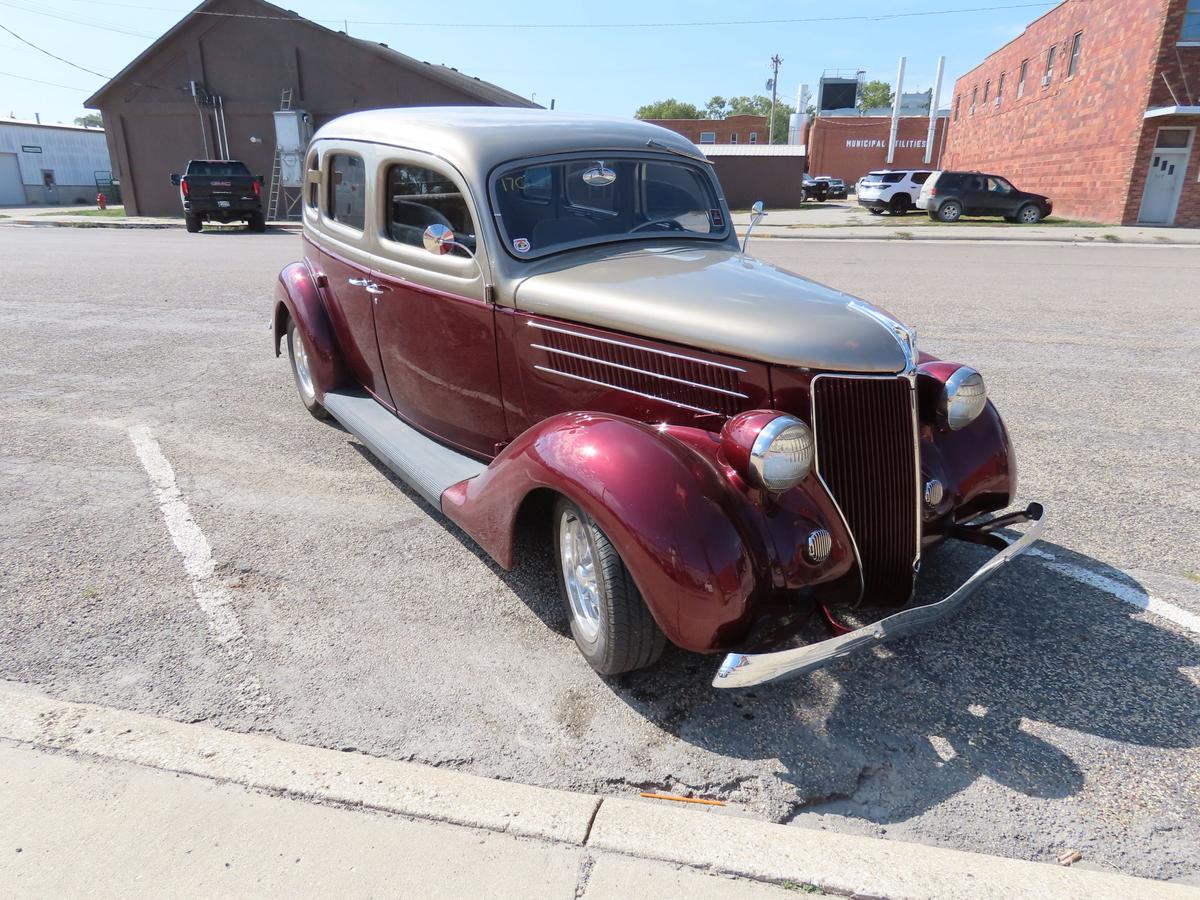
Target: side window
[920, 177]
[893, 178]
[998, 185]
[347, 190]
[313, 189]
[417, 198]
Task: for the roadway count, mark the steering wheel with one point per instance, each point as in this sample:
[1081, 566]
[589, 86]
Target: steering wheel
[672, 225]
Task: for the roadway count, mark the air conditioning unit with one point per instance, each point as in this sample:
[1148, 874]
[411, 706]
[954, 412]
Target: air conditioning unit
[1045, 81]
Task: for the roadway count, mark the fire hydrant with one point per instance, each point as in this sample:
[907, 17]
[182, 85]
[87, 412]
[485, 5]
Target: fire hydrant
[101, 201]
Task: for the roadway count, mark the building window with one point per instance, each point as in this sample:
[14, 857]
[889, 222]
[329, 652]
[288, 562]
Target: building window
[1021, 78]
[987, 90]
[974, 98]
[754, 137]
[1073, 65]
[1191, 24]
[347, 190]
[733, 138]
[708, 137]
[1000, 89]
[1049, 66]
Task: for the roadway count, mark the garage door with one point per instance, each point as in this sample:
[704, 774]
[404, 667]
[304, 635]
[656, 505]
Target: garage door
[11, 191]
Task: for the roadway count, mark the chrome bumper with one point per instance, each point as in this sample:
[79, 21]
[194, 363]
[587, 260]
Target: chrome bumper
[748, 669]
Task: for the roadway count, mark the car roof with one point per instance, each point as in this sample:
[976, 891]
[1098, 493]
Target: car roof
[475, 139]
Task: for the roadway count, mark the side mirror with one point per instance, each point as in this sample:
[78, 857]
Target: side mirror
[756, 216]
[439, 239]
[176, 178]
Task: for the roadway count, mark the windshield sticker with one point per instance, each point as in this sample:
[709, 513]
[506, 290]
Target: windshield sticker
[521, 245]
[718, 220]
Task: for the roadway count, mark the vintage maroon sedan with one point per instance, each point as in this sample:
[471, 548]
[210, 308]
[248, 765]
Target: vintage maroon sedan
[547, 320]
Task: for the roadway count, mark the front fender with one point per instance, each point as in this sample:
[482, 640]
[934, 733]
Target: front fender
[298, 297]
[663, 507]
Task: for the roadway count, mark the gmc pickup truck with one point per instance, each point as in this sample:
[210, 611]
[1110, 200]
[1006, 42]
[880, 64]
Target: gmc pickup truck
[220, 190]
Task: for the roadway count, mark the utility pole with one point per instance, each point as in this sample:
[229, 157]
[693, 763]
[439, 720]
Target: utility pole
[891, 147]
[935, 101]
[776, 62]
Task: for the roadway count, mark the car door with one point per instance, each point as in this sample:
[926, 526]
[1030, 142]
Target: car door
[435, 323]
[1002, 198]
[345, 260]
[974, 194]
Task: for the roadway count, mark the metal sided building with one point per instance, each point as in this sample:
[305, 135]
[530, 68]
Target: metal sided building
[51, 164]
[216, 78]
[1096, 105]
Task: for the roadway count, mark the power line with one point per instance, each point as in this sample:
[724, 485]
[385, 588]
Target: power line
[90, 23]
[53, 55]
[50, 83]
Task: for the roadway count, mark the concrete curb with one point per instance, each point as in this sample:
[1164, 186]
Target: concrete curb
[837, 863]
[87, 222]
[942, 237]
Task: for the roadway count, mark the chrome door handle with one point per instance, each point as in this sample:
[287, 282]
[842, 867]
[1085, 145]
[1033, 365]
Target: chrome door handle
[358, 282]
[373, 288]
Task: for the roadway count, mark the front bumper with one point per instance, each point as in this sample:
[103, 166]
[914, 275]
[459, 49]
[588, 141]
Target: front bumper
[746, 670]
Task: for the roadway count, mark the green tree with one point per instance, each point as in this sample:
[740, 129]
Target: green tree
[715, 108]
[669, 109]
[92, 120]
[875, 94]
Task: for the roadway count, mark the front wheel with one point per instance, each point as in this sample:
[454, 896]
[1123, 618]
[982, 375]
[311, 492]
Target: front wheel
[950, 211]
[609, 620]
[1029, 214]
[302, 372]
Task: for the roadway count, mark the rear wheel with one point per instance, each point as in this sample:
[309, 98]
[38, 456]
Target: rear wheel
[192, 224]
[950, 211]
[256, 222]
[609, 620]
[302, 372]
[899, 205]
[1029, 214]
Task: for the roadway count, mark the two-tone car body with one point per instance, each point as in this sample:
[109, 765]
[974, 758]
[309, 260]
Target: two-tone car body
[548, 320]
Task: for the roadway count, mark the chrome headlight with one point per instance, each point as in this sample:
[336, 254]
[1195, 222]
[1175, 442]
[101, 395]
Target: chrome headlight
[963, 398]
[782, 453]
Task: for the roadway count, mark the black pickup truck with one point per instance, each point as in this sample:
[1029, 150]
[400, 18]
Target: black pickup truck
[220, 190]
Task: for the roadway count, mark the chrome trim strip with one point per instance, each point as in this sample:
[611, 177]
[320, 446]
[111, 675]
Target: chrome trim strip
[911, 378]
[604, 340]
[905, 336]
[605, 362]
[613, 387]
[746, 670]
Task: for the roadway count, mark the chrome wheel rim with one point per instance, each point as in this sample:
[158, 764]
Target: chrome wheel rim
[952, 214]
[303, 372]
[1029, 215]
[579, 574]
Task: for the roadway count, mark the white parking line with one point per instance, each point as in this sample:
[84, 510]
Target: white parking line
[212, 596]
[1131, 594]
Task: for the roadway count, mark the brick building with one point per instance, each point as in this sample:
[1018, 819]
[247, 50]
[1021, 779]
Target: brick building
[1096, 105]
[848, 147]
[730, 130]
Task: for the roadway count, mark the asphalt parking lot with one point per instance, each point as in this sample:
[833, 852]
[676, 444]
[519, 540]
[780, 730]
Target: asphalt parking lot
[340, 610]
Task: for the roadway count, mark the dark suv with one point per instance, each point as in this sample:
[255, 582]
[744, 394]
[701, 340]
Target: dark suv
[948, 196]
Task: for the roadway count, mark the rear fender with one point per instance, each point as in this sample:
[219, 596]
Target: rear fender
[298, 297]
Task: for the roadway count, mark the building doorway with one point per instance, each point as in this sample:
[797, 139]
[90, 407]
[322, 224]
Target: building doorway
[49, 186]
[1164, 181]
[12, 192]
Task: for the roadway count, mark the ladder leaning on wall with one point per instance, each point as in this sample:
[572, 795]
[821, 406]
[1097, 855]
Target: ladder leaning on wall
[285, 104]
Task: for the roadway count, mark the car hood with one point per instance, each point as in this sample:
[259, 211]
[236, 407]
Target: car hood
[718, 300]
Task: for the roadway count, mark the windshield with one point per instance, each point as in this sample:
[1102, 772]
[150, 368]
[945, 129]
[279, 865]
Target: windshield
[543, 207]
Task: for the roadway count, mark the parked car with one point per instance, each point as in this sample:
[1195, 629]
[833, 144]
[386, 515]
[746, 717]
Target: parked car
[547, 322]
[220, 190]
[812, 189]
[890, 191]
[835, 188]
[948, 196]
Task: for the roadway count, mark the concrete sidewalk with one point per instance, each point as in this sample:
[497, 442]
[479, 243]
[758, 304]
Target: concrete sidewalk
[105, 802]
[84, 217]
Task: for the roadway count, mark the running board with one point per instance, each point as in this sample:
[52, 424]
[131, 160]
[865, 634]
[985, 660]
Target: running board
[425, 465]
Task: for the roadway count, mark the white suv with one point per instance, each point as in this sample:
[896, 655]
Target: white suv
[887, 191]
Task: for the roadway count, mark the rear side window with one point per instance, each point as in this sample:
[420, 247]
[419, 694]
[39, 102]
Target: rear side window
[218, 169]
[347, 190]
[893, 177]
[920, 177]
[420, 197]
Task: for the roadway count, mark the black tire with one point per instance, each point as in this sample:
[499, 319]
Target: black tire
[192, 223]
[899, 205]
[932, 215]
[874, 212]
[950, 211]
[626, 636]
[308, 395]
[256, 222]
[1029, 214]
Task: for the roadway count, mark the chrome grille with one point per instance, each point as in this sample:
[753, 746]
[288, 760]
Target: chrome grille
[866, 455]
[684, 381]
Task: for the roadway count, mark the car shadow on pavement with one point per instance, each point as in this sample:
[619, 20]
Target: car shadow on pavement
[887, 736]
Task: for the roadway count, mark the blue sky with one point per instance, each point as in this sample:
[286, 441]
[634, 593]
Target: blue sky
[586, 69]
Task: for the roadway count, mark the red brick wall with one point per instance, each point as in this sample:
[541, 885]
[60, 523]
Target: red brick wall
[724, 128]
[848, 147]
[1188, 211]
[1077, 140]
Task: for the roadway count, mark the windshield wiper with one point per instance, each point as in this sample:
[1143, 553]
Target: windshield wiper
[659, 145]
